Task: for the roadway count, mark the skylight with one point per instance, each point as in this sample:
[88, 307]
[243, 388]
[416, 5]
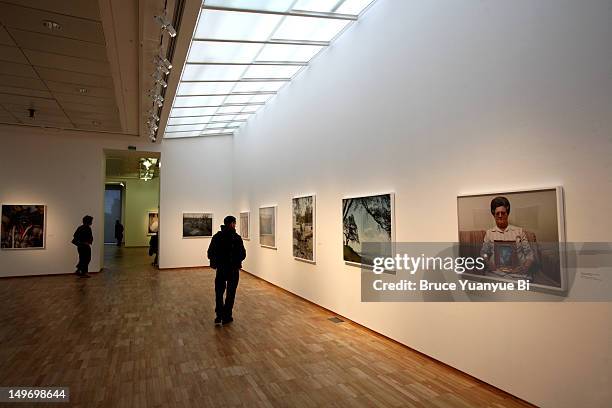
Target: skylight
[243, 51]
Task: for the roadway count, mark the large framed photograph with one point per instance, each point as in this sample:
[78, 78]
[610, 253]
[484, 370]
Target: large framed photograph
[368, 228]
[197, 224]
[267, 227]
[245, 225]
[303, 220]
[152, 223]
[23, 226]
[520, 235]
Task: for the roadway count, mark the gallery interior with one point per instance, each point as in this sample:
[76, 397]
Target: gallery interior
[168, 115]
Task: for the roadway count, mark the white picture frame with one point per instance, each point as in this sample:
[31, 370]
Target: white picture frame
[557, 282]
[349, 255]
[244, 219]
[189, 231]
[301, 247]
[268, 234]
[8, 230]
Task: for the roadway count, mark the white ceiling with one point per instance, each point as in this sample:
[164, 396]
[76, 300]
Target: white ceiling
[83, 76]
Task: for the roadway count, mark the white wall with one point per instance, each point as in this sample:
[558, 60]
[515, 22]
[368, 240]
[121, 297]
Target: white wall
[196, 176]
[140, 197]
[431, 100]
[65, 171]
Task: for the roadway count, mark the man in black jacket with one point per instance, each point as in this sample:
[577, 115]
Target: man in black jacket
[226, 253]
[83, 238]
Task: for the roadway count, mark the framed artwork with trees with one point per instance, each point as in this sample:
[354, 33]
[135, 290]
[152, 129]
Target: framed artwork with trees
[367, 228]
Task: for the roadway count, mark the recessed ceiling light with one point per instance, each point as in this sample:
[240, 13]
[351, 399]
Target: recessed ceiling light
[83, 90]
[51, 25]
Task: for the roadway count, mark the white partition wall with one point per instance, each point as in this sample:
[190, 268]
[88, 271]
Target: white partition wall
[196, 176]
[65, 171]
[432, 100]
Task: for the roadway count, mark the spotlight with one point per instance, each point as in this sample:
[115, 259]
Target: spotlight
[159, 80]
[162, 69]
[166, 25]
[159, 60]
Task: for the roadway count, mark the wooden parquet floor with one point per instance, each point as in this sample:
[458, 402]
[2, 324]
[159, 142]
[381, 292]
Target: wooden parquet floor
[134, 336]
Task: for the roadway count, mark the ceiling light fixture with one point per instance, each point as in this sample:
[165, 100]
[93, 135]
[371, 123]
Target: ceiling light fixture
[166, 25]
[162, 61]
[162, 69]
[159, 80]
[51, 25]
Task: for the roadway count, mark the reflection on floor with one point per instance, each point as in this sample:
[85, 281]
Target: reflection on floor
[133, 336]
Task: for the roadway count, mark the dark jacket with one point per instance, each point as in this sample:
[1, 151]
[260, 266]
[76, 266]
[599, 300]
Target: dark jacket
[226, 250]
[83, 235]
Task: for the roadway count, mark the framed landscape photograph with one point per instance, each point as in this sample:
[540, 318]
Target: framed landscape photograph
[245, 225]
[520, 235]
[303, 219]
[153, 223]
[267, 227]
[23, 226]
[197, 224]
[368, 219]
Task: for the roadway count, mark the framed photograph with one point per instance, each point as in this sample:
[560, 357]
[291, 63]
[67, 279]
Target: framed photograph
[520, 235]
[267, 226]
[153, 223]
[245, 225]
[197, 224]
[506, 258]
[303, 219]
[368, 228]
[23, 226]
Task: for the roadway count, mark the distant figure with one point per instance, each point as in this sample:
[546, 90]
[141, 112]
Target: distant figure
[154, 248]
[226, 253]
[83, 239]
[118, 233]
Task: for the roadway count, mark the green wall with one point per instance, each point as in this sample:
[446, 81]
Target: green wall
[140, 197]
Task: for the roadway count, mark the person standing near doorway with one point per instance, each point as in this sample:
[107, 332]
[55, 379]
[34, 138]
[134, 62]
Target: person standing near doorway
[83, 239]
[118, 232]
[226, 253]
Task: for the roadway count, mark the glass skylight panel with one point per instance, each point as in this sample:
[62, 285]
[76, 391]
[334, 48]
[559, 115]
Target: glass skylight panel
[238, 99]
[216, 125]
[215, 131]
[271, 71]
[258, 86]
[324, 6]
[170, 135]
[269, 5]
[182, 128]
[195, 72]
[179, 112]
[230, 109]
[253, 47]
[205, 88]
[232, 25]
[288, 52]
[191, 101]
[353, 6]
[187, 121]
[208, 51]
[309, 28]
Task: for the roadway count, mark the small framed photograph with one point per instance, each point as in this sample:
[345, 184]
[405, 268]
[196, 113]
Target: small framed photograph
[506, 259]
